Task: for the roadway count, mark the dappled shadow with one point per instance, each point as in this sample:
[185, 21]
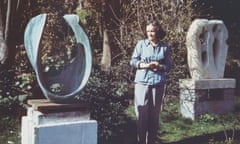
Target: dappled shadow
[130, 136]
[204, 139]
[127, 133]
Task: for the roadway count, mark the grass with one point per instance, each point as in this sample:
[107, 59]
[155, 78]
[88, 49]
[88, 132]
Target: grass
[174, 129]
[10, 128]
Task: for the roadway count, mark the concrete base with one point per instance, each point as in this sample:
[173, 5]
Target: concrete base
[213, 96]
[66, 127]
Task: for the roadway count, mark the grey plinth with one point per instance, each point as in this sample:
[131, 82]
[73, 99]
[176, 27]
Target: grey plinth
[213, 96]
[50, 123]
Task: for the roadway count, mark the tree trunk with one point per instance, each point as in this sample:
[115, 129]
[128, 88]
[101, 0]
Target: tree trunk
[106, 56]
[110, 9]
[7, 31]
[11, 29]
[7, 24]
[3, 45]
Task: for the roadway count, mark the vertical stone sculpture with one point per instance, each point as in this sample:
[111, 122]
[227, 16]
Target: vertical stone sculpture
[207, 91]
[207, 48]
[61, 84]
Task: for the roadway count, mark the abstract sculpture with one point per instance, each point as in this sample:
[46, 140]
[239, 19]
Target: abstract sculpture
[59, 84]
[207, 91]
[206, 42]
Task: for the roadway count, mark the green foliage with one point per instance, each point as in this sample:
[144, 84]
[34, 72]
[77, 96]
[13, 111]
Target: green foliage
[24, 76]
[60, 7]
[58, 44]
[91, 25]
[131, 27]
[173, 127]
[106, 102]
[16, 83]
[10, 130]
[84, 16]
[8, 98]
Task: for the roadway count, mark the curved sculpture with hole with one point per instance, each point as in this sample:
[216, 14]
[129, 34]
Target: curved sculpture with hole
[74, 76]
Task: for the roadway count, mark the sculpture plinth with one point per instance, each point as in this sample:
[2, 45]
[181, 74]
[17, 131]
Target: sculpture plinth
[207, 91]
[48, 123]
[213, 96]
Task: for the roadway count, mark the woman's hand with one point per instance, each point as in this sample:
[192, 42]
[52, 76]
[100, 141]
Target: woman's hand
[154, 66]
[143, 65]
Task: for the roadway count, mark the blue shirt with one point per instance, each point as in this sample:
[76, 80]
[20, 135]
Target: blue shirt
[145, 52]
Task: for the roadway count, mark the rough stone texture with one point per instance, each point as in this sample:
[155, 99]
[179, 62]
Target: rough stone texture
[58, 128]
[207, 48]
[207, 91]
[207, 83]
[206, 96]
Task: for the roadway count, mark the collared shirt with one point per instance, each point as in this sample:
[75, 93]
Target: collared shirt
[145, 52]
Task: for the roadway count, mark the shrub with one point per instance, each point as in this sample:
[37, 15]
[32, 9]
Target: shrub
[106, 103]
[8, 95]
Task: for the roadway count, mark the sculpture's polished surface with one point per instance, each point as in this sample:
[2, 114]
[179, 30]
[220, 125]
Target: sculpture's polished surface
[59, 83]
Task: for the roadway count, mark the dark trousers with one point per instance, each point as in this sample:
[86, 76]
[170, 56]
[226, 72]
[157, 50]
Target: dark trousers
[147, 101]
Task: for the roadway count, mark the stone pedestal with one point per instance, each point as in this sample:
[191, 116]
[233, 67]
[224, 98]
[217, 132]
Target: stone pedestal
[214, 96]
[51, 123]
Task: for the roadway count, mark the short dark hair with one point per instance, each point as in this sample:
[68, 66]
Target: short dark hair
[153, 21]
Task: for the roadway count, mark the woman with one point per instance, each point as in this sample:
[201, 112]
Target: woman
[152, 59]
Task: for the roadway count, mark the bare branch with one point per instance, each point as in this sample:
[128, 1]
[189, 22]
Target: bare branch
[114, 14]
[18, 3]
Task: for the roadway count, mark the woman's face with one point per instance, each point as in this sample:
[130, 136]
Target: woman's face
[152, 32]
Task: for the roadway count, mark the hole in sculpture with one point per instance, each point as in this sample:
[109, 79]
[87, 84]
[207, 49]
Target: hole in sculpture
[58, 44]
[204, 46]
[202, 36]
[215, 28]
[204, 57]
[215, 51]
[68, 77]
[56, 87]
[216, 46]
[61, 57]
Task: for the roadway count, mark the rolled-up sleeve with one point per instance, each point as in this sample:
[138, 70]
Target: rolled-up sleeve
[136, 56]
